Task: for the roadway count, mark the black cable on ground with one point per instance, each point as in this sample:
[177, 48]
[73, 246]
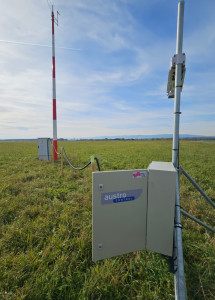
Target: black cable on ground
[97, 162]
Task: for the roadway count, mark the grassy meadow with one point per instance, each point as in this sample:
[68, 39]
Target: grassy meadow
[45, 225]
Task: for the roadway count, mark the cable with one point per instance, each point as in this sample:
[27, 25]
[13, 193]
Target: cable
[49, 4]
[79, 169]
[58, 153]
[97, 162]
[39, 45]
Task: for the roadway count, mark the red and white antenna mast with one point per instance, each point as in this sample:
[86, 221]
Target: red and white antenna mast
[54, 21]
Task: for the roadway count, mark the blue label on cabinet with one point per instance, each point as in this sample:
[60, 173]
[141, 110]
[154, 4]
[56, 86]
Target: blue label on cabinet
[121, 196]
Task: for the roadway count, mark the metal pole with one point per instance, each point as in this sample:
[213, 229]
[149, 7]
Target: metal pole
[197, 220]
[54, 90]
[178, 73]
[197, 187]
[180, 288]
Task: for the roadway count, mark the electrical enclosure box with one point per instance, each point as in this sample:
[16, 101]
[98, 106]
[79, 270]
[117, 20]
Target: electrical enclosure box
[44, 148]
[119, 212]
[161, 207]
[133, 210]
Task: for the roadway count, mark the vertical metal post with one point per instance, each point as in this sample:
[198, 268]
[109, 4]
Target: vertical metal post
[178, 84]
[180, 288]
[93, 164]
[54, 90]
[61, 161]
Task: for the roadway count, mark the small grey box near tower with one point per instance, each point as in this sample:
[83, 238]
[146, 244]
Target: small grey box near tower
[44, 148]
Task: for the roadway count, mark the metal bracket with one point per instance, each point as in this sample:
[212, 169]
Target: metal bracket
[172, 262]
[178, 59]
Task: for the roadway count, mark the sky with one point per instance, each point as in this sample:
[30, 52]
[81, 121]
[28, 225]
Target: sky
[112, 63]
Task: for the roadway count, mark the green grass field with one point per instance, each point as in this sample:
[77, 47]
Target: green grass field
[45, 225]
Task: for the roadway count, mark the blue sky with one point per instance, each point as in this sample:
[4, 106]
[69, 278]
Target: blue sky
[116, 83]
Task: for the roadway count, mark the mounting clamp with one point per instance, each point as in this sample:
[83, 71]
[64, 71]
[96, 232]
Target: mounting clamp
[175, 60]
[178, 59]
[178, 225]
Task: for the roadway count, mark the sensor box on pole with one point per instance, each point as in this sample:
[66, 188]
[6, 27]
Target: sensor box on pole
[119, 212]
[44, 148]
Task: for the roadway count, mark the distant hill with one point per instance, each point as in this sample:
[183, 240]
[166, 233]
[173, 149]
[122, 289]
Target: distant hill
[150, 137]
[126, 137]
